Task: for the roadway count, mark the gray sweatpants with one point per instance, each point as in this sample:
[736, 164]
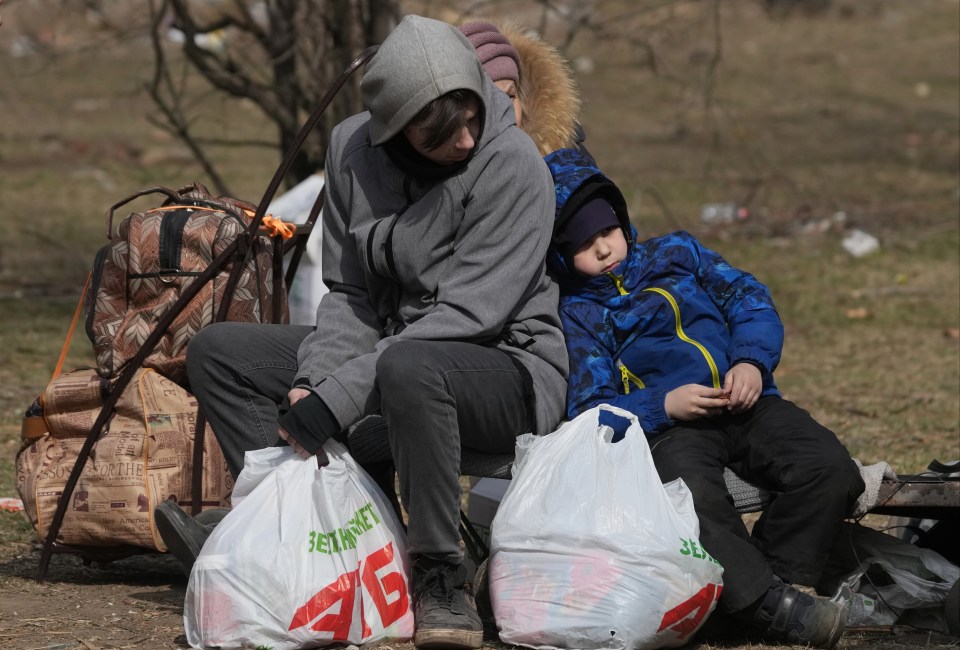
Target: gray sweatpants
[436, 396]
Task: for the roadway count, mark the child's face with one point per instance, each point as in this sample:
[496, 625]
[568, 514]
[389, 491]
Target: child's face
[602, 252]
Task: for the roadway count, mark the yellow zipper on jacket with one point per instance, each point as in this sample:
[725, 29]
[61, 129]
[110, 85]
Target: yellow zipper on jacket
[683, 337]
[627, 377]
[618, 282]
[625, 373]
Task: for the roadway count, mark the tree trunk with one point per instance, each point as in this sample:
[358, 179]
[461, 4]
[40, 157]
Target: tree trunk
[280, 54]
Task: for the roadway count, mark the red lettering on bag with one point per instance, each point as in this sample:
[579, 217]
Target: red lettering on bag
[387, 591]
[382, 587]
[686, 617]
[342, 590]
[365, 630]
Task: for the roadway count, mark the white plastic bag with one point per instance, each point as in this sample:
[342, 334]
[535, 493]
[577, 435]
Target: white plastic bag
[888, 580]
[589, 550]
[307, 557]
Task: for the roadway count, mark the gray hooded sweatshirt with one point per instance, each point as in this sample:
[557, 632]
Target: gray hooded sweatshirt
[460, 259]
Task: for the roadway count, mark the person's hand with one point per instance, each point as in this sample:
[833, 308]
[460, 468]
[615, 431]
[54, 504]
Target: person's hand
[743, 384]
[296, 394]
[693, 401]
[321, 455]
[296, 446]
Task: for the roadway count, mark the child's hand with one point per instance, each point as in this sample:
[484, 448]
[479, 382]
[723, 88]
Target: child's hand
[694, 401]
[743, 384]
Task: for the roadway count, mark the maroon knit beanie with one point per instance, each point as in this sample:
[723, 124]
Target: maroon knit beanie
[500, 60]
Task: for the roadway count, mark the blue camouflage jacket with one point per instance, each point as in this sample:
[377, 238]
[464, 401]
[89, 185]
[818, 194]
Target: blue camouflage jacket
[672, 313]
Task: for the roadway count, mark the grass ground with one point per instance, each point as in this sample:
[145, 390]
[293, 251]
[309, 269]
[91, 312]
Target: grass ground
[854, 111]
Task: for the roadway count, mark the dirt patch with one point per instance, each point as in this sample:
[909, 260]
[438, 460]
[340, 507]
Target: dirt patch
[131, 603]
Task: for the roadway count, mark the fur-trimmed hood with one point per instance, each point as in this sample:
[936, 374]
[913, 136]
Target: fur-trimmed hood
[548, 92]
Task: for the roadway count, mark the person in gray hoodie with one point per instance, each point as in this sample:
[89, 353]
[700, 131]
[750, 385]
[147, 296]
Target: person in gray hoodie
[439, 316]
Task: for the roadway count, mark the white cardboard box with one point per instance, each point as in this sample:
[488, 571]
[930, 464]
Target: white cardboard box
[482, 504]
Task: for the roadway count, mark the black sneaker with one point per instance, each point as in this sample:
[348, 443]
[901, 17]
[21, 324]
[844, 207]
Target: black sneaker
[444, 611]
[183, 535]
[788, 615]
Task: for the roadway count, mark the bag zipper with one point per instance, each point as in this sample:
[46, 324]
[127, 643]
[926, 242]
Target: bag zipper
[171, 241]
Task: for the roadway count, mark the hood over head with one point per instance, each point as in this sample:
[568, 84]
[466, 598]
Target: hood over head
[577, 180]
[421, 60]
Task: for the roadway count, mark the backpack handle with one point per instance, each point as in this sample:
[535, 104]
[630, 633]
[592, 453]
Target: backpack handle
[171, 194]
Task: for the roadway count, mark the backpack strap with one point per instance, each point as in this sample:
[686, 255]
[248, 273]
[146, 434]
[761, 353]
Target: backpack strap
[33, 428]
[73, 325]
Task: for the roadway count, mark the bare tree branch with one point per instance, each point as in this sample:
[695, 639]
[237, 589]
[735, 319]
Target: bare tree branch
[169, 104]
[281, 55]
[222, 73]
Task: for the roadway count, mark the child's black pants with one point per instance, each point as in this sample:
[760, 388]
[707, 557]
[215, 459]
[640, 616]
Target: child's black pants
[778, 446]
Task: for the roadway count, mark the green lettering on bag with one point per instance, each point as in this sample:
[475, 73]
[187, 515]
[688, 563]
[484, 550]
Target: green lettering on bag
[343, 538]
[347, 539]
[355, 528]
[373, 514]
[695, 548]
[692, 548]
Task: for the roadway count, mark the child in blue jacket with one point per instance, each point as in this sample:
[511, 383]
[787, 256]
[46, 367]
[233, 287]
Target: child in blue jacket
[670, 331]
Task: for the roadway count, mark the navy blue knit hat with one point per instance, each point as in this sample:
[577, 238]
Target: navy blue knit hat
[590, 218]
